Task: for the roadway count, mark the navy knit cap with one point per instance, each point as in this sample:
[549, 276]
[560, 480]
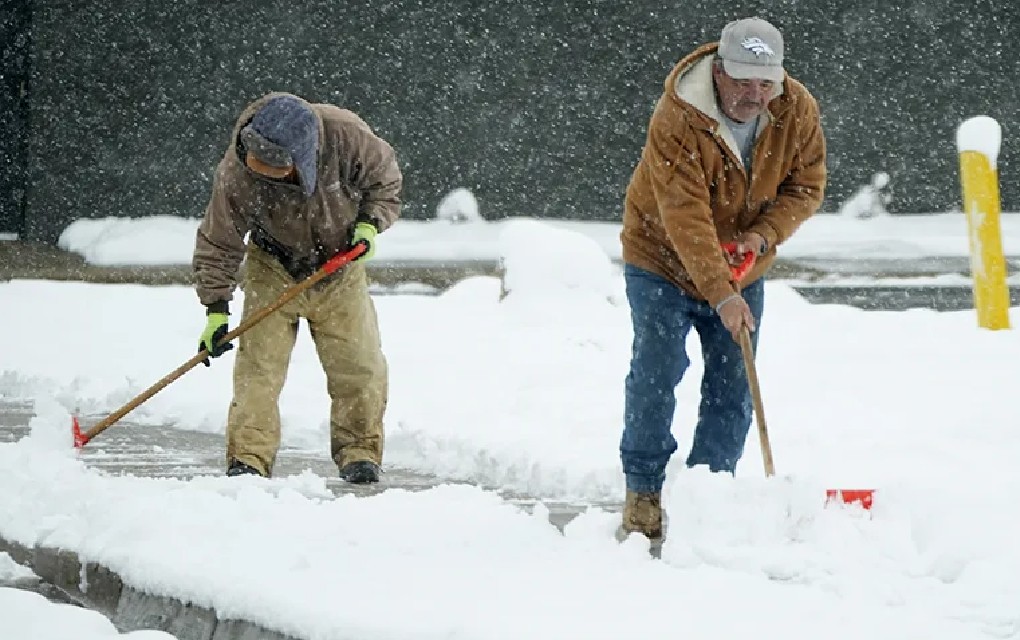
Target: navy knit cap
[289, 125]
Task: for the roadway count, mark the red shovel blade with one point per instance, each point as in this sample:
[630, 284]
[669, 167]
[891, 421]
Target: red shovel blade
[79, 437]
[864, 497]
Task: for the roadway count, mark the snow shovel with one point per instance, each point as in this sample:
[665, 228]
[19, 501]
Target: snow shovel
[333, 264]
[862, 496]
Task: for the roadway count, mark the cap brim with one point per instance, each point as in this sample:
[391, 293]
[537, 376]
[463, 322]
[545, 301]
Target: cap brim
[271, 154]
[745, 71]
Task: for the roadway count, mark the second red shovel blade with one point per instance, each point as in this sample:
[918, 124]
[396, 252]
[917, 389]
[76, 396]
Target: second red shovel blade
[79, 437]
[864, 497]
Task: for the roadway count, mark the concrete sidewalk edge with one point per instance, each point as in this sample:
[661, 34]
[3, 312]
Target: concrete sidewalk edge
[96, 587]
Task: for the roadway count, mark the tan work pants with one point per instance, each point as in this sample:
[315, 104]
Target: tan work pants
[345, 329]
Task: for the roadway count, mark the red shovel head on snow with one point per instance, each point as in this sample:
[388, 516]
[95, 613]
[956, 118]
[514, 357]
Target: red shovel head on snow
[864, 497]
[79, 438]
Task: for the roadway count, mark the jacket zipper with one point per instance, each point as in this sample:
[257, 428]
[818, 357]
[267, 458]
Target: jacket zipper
[747, 174]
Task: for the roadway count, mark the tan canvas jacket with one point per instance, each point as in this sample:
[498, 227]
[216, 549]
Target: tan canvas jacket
[689, 192]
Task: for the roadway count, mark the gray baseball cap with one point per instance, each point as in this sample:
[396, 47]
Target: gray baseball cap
[752, 48]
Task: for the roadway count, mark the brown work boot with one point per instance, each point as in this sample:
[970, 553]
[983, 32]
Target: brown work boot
[642, 514]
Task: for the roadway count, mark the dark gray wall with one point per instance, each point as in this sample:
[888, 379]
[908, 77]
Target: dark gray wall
[540, 108]
[14, 77]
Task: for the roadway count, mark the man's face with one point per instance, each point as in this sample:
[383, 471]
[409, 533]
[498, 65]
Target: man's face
[742, 100]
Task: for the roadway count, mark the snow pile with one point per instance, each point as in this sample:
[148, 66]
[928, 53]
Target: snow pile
[25, 615]
[50, 428]
[29, 616]
[164, 240]
[870, 201]
[544, 263]
[11, 571]
[458, 206]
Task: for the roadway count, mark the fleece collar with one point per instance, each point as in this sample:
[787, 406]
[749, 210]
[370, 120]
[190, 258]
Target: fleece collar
[693, 84]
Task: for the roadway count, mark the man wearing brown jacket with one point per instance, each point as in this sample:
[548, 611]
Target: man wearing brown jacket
[299, 183]
[734, 153]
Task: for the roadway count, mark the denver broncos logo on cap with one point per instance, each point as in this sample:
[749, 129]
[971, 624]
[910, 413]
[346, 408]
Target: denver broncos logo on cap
[757, 46]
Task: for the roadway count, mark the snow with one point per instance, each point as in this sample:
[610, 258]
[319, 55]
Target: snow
[554, 265]
[870, 200]
[526, 394]
[25, 615]
[458, 206]
[982, 134]
[171, 241]
[30, 616]
[151, 240]
[11, 570]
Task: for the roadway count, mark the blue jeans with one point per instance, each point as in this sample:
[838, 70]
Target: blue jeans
[662, 315]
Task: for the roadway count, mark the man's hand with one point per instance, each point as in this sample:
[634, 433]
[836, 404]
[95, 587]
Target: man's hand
[215, 329]
[365, 232]
[753, 242]
[735, 314]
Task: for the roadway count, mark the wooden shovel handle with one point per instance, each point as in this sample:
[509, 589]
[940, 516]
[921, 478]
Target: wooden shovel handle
[747, 349]
[759, 409]
[334, 263]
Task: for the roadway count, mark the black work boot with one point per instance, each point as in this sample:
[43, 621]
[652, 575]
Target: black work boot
[360, 472]
[238, 468]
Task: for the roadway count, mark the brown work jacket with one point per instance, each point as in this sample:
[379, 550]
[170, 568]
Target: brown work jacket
[357, 179]
[690, 192]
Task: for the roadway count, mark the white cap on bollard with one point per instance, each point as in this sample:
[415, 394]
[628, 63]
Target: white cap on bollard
[982, 134]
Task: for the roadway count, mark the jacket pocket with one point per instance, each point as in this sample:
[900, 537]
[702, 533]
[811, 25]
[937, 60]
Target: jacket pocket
[344, 190]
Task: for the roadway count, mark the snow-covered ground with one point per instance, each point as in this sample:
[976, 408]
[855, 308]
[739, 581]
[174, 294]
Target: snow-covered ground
[527, 394]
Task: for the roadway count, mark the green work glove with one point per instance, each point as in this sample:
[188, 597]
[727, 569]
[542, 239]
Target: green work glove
[365, 232]
[215, 329]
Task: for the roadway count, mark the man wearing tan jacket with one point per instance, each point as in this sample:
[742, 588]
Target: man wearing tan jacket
[734, 153]
[299, 183]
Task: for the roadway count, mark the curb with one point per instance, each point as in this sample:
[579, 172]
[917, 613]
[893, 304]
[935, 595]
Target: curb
[96, 587]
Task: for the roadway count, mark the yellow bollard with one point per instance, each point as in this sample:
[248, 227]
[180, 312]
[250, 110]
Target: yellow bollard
[978, 144]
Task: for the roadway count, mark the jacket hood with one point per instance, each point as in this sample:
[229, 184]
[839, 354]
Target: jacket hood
[690, 84]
